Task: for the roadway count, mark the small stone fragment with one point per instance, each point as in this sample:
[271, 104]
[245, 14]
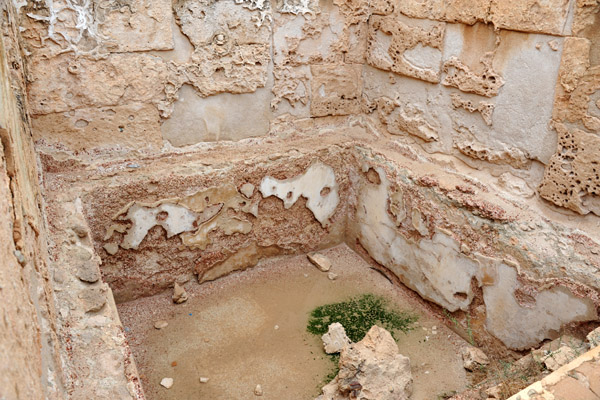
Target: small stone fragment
[258, 390]
[111, 248]
[556, 359]
[203, 379]
[335, 339]
[247, 190]
[320, 261]
[166, 382]
[179, 294]
[332, 276]
[174, 364]
[495, 392]
[593, 338]
[473, 358]
[161, 324]
[80, 231]
[93, 299]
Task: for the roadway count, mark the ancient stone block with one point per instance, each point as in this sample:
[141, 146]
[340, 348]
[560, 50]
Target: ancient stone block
[572, 177]
[551, 17]
[336, 89]
[131, 126]
[406, 46]
[222, 116]
[66, 82]
[97, 29]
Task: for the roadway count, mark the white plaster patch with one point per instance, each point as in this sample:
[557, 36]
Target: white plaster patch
[178, 219]
[317, 185]
[434, 268]
[519, 327]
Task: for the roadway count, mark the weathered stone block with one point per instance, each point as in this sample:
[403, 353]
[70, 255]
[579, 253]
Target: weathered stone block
[336, 89]
[551, 16]
[66, 82]
[406, 46]
[131, 126]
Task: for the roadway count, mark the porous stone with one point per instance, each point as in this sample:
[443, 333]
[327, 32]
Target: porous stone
[335, 339]
[160, 324]
[166, 383]
[559, 357]
[593, 338]
[371, 369]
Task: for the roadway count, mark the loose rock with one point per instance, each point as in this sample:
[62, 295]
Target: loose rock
[473, 358]
[332, 276]
[179, 294]
[203, 380]
[161, 324]
[371, 369]
[593, 338]
[258, 390]
[320, 261]
[335, 339]
[167, 382]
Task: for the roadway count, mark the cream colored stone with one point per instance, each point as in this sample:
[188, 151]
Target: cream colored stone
[336, 90]
[551, 17]
[65, 83]
[320, 261]
[131, 126]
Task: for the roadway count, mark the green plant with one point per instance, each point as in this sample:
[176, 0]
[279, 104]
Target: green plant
[357, 315]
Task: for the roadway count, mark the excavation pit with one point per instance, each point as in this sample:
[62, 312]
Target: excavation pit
[249, 328]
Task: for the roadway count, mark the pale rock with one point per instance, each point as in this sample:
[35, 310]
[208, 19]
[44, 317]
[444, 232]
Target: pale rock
[161, 324]
[335, 339]
[111, 248]
[179, 294]
[371, 369]
[203, 379]
[247, 189]
[556, 359]
[166, 382]
[495, 392]
[473, 358]
[320, 261]
[593, 338]
[258, 391]
[332, 276]
[93, 299]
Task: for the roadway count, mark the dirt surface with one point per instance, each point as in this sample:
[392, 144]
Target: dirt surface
[249, 328]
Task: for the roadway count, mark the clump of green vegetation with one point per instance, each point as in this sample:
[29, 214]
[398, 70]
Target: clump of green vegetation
[357, 315]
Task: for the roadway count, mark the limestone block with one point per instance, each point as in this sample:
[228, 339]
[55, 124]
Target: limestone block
[223, 116]
[518, 71]
[231, 48]
[551, 16]
[136, 25]
[372, 367]
[336, 89]
[134, 126]
[406, 46]
[466, 11]
[65, 82]
[291, 90]
[325, 37]
[335, 339]
[572, 178]
[97, 28]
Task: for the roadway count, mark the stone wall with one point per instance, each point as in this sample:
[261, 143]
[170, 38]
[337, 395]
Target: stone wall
[455, 143]
[29, 364]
